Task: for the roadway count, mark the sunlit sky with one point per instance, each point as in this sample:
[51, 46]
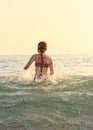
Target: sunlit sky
[66, 25]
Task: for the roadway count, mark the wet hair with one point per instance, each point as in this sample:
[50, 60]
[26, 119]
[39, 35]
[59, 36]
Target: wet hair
[42, 46]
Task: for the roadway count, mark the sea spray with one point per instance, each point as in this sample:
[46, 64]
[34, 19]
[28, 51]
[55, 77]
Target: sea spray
[25, 76]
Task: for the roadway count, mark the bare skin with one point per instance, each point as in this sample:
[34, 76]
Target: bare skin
[37, 58]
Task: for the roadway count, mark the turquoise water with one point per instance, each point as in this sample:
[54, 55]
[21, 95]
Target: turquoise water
[62, 103]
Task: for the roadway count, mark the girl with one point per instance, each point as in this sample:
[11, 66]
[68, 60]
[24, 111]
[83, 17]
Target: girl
[42, 62]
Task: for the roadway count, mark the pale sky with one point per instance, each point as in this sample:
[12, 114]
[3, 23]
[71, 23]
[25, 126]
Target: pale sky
[66, 25]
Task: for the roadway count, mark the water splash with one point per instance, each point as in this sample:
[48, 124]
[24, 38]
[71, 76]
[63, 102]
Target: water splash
[25, 76]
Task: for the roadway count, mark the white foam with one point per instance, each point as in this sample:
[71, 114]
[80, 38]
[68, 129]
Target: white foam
[25, 76]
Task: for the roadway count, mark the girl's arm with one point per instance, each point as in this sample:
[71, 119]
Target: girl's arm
[32, 59]
[51, 68]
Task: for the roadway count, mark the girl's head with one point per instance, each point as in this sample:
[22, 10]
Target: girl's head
[42, 47]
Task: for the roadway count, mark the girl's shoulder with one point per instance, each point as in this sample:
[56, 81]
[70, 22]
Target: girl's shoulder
[35, 55]
[48, 57]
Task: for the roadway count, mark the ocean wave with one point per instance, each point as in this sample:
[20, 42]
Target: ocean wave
[52, 104]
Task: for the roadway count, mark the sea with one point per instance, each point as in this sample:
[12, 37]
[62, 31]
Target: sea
[62, 102]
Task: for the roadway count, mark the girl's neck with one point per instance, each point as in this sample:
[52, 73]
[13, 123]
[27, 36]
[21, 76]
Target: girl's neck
[42, 54]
